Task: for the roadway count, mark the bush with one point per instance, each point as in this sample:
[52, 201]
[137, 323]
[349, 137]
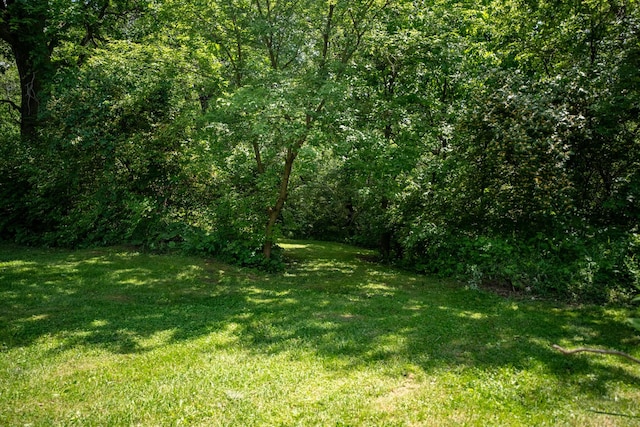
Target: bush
[600, 267]
[228, 246]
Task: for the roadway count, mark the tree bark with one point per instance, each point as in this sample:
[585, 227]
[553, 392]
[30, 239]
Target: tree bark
[22, 27]
[32, 83]
[275, 210]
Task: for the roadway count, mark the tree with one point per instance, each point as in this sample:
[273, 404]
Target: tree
[543, 152]
[286, 63]
[580, 60]
[100, 159]
[34, 29]
[22, 26]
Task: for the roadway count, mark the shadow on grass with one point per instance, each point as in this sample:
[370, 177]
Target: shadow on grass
[345, 310]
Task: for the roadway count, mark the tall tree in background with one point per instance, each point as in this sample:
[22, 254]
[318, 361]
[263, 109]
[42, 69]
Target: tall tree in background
[94, 110]
[22, 26]
[34, 29]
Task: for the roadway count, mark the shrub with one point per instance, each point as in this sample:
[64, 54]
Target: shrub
[600, 267]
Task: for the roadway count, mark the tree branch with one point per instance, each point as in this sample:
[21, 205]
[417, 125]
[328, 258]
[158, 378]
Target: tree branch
[326, 35]
[258, 156]
[11, 104]
[596, 350]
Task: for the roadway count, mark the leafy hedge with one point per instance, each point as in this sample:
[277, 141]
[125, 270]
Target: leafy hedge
[602, 267]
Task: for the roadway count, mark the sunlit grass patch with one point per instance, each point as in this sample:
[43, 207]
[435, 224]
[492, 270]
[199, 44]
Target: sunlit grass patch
[104, 338]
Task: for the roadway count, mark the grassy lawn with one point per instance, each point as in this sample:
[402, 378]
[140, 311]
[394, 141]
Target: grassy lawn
[116, 337]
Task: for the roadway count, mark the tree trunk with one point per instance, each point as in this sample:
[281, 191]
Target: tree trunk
[275, 210]
[32, 77]
[22, 26]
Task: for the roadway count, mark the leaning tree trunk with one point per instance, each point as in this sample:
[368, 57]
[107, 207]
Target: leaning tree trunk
[275, 210]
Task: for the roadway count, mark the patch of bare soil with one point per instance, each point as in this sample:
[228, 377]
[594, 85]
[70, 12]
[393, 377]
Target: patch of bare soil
[390, 401]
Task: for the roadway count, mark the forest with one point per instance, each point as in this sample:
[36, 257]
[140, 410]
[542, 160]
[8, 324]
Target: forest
[494, 141]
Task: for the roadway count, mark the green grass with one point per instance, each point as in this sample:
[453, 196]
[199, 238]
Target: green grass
[116, 337]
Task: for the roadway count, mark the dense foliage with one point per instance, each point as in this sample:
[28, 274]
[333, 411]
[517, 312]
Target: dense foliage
[496, 141]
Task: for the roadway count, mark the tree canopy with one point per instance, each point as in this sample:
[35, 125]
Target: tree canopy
[494, 141]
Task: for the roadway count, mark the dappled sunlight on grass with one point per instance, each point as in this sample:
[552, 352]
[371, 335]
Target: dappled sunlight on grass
[345, 340]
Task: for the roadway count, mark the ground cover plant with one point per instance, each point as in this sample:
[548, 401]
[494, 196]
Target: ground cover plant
[118, 337]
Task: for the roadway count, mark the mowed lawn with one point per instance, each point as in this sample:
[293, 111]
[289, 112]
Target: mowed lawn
[108, 337]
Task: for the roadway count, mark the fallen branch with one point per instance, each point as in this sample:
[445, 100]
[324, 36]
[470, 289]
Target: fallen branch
[596, 350]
